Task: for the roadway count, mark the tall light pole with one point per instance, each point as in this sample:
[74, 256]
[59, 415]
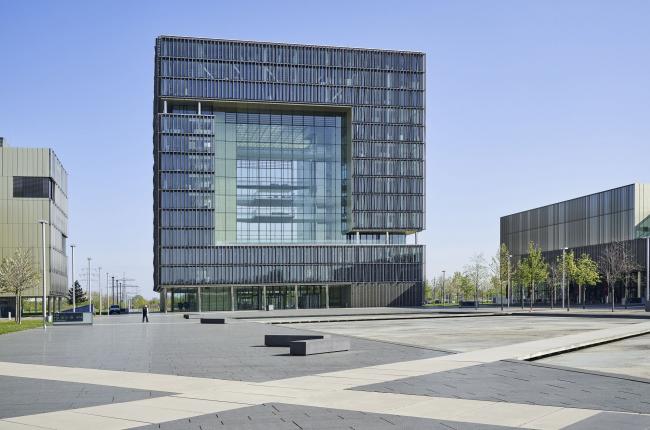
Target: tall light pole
[509, 286]
[443, 287]
[108, 304]
[647, 271]
[564, 275]
[99, 288]
[476, 290]
[90, 291]
[43, 222]
[74, 291]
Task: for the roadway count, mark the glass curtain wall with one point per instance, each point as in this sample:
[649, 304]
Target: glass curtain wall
[279, 177]
[215, 299]
[184, 300]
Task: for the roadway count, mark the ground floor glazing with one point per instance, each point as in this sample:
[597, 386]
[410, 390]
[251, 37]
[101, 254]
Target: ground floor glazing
[206, 299]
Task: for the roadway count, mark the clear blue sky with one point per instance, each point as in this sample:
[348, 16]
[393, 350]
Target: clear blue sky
[528, 102]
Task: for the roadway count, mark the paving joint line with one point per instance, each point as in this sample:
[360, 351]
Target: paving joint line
[388, 342]
[579, 370]
[321, 321]
[534, 357]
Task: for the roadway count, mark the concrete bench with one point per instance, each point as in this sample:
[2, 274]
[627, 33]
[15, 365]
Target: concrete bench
[213, 321]
[286, 339]
[318, 346]
[188, 316]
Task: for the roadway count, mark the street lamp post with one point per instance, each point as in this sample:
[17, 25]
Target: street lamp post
[509, 285]
[443, 288]
[476, 291]
[74, 291]
[647, 271]
[501, 294]
[90, 291]
[99, 288]
[43, 222]
[108, 305]
[564, 278]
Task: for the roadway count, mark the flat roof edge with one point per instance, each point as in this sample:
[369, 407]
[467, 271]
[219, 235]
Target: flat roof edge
[264, 42]
[574, 198]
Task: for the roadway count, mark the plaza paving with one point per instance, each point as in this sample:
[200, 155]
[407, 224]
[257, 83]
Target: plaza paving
[178, 374]
[628, 357]
[466, 334]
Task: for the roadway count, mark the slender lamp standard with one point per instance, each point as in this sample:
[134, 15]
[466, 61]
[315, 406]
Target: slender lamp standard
[99, 288]
[443, 288]
[74, 291]
[108, 305]
[509, 292]
[647, 270]
[90, 291]
[564, 277]
[43, 222]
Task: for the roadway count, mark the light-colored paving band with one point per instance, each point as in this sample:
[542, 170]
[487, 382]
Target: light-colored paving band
[199, 396]
[338, 318]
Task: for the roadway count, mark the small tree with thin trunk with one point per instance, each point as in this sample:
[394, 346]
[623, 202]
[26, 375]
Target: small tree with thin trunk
[586, 274]
[555, 278]
[629, 266]
[17, 274]
[612, 265]
[499, 271]
[477, 271]
[533, 270]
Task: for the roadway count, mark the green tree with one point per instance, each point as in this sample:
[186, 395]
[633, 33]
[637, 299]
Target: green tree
[505, 270]
[499, 274]
[154, 304]
[78, 292]
[18, 273]
[555, 279]
[462, 285]
[586, 274]
[533, 270]
[452, 288]
[138, 302]
[476, 270]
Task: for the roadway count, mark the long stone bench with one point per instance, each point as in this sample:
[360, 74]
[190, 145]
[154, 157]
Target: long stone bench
[188, 316]
[214, 321]
[318, 346]
[286, 339]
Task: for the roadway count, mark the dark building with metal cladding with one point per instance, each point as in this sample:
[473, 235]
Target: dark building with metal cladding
[287, 175]
[587, 225]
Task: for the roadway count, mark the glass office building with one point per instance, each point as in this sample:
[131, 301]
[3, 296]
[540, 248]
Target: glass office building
[287, 175]
[587, 224]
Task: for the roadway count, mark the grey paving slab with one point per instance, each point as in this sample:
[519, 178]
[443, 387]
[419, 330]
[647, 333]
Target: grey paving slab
[25, 396]
[610, 421]
[173, 345]
[466, 334]
[626, 357]
[523, 382]
[277, 416]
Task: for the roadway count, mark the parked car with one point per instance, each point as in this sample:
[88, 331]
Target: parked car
[114, 309]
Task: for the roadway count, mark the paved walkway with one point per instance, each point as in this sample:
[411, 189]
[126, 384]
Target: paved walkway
[340, 390]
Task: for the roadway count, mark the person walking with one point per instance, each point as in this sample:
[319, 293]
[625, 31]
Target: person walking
[145, 313]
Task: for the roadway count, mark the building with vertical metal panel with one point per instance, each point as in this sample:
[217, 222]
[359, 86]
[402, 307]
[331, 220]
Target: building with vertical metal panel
[587, 225]
[33, 187]
[287, 175]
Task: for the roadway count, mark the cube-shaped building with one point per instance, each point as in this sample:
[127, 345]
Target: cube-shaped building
[287, 175]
